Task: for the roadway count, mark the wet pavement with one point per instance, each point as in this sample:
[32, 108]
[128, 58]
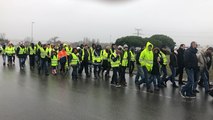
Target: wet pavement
[25, 95]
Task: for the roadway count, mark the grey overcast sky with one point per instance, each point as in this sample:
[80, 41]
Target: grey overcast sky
[72, 20]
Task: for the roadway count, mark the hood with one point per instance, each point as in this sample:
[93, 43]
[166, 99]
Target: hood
[147, 45]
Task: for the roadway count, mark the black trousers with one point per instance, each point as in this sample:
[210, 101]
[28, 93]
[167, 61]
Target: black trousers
[74, 71]
[122, 75]
[32, 60]
[97, 70]
[180, 73]
[83, 65]
[131, 67]
[115, 75]
[106, 66]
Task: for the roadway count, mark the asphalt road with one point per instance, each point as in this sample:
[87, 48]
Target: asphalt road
[25, 95]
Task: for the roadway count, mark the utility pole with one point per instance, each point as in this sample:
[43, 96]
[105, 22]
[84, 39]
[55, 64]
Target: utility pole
[138, 31]
[32, 31]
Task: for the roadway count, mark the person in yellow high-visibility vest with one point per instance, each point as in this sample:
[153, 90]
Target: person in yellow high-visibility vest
[32, 53]
[3, 52]
[74, 62]
[146, 60]
[43, 63]
[124, 64]
[132, 61]
[85, 58]
[105, 55]
[97, 61]
[21, 53]
[115, 60]
[164, 63]
[54, 62]
[10, 52]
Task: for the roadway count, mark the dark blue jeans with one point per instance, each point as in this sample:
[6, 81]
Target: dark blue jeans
[188, 88]
[115, 75]
[156, 80]
[204, 76]
[43, 65]
[74, 71]
[146, 77]
[139, 73]
[22, 62]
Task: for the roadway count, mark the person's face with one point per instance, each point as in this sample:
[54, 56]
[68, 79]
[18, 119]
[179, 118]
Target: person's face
[126, 48]
[194, 45]
[183, 47]
[156, 51]
[150, 48]
[85, 47]
[114, 46]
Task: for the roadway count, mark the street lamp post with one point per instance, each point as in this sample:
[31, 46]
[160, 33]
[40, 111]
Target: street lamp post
[32, 31]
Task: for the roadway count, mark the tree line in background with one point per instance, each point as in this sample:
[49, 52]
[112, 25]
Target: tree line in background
[132, 41]
[137, 41]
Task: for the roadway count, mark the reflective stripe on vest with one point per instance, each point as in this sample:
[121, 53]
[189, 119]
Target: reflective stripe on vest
[54, 60]
[96, 58]
[74, 60]
[124, 61]
[32, 51]
[116, 63]
[43, 53]
[132, 56]
[21, 51]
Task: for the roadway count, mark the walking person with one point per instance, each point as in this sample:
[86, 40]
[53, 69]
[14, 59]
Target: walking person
[106, 61]
[203, 60]
[124, 63]
[146, 61]
[85, 58]
[10, 52]
[97, 61]
[74, 62]
[132, 61]
[3, 52]
[43, 57]
[191, 66]
[173, 66]
[32, 54]
[21, 53]
[164, 63]
[139, 75]
[115, 64]
[155, 73]
[180, 60]
[62, 56]
[54, 62]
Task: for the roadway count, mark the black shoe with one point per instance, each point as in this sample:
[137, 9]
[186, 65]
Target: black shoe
[200, 84]
[156, 89]
[174, 86]
[196, 91]
[181, 83]
[164, 84]
[207, 92]
[87, 75]
[3, 64]
[149, 90]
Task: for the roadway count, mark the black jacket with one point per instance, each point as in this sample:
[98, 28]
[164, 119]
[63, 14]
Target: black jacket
[190, 58]
[156, 65]
[180, 58]
[173, 60]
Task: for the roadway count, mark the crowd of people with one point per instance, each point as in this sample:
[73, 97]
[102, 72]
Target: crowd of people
[151, 63]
